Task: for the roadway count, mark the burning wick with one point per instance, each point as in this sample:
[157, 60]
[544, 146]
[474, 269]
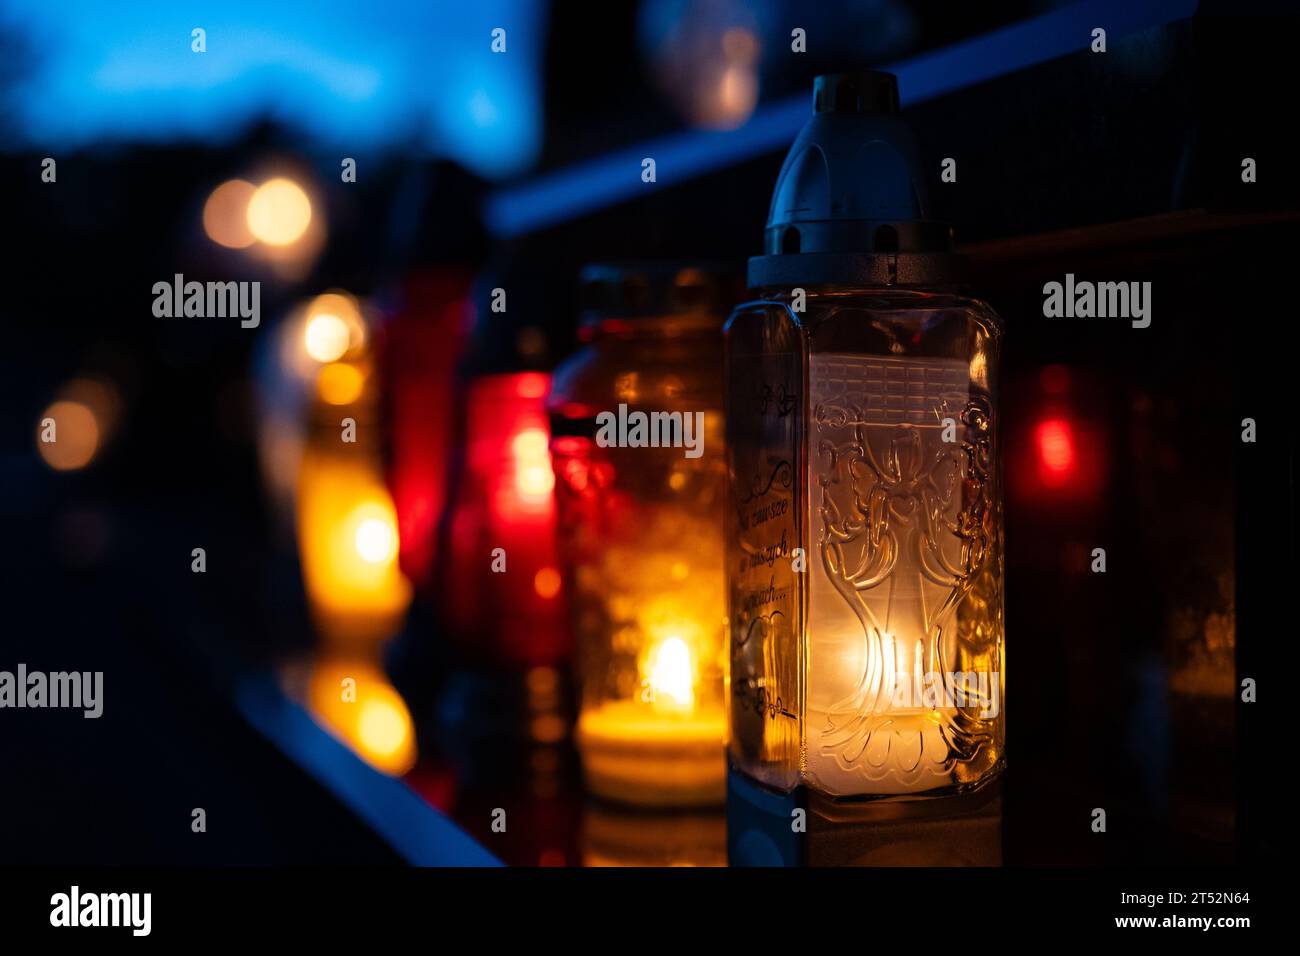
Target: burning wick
[671, 675]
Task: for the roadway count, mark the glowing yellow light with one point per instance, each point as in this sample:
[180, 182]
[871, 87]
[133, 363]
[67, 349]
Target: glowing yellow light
[373, 719]
[279, 212]
[529, 443]
[376, 540]
[534, 477]
[326, 337]
[535, 481]
[340, 383]
[67, 435]
[333, 327]
[225, 214]
[546, 583]
[382, 727]
[671, 675]
[356, 590]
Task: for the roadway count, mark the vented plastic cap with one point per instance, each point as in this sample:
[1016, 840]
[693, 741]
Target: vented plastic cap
[851, 201]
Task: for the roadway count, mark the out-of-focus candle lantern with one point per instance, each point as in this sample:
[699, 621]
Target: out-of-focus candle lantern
[865, 522]
[420, 347]
[347, 525]
[434, 245]
[500, 570]
[642, 533]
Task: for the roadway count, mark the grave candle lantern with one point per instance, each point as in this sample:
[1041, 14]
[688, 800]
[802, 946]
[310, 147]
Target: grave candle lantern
[864, 556]
[641, 532]
[420, 348]
[347, 527]
[502, 585]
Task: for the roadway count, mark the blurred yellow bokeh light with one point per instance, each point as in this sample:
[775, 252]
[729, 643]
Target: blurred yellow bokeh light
[340, 383]
[67, 435]
[333, 327]
[534, 478]
[376, 540]
[326, 337]
[356, 701]
[384, 727]
[279, 212]
[348, 543]
[225, 215]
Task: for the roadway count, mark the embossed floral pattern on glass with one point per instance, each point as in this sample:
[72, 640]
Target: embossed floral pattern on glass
[894, 622]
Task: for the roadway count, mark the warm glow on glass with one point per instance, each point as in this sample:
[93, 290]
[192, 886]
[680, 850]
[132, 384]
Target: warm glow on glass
[279, 212]
[643, 538]
[652, 726]
[225, 215]
[76, 435]
[875, 668]
[864, 556]
[671, 676]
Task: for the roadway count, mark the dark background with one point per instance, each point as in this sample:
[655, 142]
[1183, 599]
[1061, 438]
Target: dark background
[1062, 169]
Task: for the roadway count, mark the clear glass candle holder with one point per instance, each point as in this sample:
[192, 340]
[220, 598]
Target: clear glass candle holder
[865, 569]
[642, 537]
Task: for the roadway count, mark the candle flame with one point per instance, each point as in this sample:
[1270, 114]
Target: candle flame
[671, 675]
[376, 540]
[534, 478]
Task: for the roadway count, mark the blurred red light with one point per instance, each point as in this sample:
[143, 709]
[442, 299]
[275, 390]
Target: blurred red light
[532, 385]
[505, 499]
[1056, 455]
[1059, 452]
[420, 348]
